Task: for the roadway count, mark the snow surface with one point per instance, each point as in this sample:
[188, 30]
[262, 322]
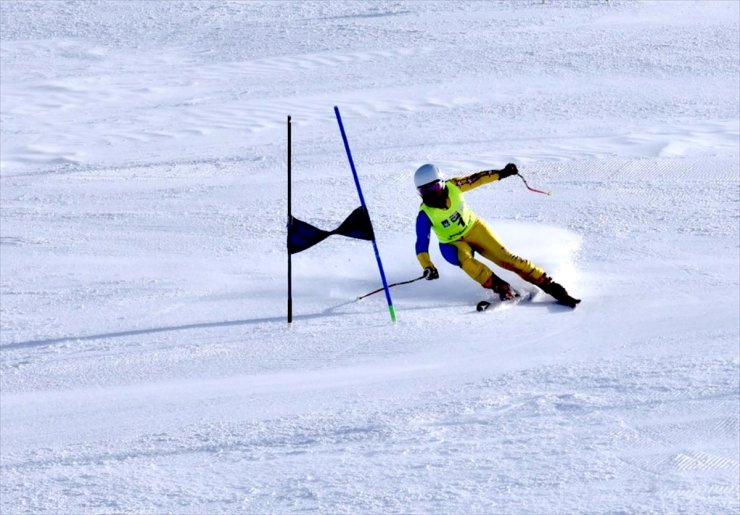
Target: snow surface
[146, 361]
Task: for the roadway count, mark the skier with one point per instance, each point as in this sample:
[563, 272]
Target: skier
[461, 234]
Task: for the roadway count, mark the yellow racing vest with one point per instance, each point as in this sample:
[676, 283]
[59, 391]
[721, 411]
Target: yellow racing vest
[454, 222]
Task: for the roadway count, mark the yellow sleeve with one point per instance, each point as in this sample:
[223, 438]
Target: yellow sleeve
[424, 259]
[469, 182]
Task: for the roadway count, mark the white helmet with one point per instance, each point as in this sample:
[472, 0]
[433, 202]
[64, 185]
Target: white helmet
[427, 174]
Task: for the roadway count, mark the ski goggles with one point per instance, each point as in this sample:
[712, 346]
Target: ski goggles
[433, 188]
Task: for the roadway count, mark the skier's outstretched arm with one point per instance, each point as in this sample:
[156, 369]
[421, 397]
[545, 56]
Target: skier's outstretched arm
[472, 181]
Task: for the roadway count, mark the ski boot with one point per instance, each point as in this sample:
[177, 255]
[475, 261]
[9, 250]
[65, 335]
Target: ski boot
[556, 290]
[500, 287]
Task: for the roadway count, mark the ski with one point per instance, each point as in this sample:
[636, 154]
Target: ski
[482, 305]
[520, 297]
[570, 302]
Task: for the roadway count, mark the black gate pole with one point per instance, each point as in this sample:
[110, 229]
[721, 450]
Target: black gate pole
[290, 224]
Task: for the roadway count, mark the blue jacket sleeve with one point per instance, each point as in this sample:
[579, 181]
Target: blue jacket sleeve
[423, 230]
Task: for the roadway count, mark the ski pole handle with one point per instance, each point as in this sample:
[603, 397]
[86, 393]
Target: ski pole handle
[390, 286]
[548, 193]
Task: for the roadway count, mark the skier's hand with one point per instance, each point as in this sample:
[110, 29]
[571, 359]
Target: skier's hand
[509, 169]
[430, 273]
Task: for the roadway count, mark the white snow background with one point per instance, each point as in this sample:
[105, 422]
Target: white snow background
[147, 365]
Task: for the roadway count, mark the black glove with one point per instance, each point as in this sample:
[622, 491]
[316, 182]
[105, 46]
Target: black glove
[430, 273]
[509, 169]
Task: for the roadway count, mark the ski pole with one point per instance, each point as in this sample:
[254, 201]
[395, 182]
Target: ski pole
[549, 193]
[390, 286]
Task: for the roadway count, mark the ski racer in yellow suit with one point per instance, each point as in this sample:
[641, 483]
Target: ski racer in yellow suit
[461, 234]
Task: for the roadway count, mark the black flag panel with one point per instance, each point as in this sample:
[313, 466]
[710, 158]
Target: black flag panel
[302, 235]
[357, 225]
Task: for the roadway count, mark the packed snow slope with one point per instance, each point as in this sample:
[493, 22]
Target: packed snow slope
[147, 365]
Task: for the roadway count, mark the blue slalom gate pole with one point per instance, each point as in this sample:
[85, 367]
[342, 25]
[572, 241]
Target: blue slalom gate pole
[391, 309]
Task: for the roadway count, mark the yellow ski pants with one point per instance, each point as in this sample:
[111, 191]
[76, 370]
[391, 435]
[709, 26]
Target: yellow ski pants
[482, 240]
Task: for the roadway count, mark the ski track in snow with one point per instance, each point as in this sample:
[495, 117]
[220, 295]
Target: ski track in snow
[146, 363]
